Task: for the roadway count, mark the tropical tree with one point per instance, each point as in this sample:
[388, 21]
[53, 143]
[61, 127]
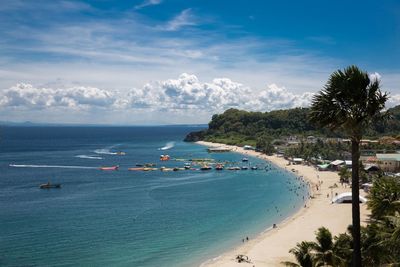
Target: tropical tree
[303, 254]
[349, 103]
[384, 197]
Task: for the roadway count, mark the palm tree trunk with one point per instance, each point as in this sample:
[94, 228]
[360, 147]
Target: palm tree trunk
[355, 156]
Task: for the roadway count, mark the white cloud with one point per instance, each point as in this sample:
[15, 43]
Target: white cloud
[375, 76]
[187, 93]
[275, 97]
[26, 96]
[182, 100]
[148, 3]
[185, 18]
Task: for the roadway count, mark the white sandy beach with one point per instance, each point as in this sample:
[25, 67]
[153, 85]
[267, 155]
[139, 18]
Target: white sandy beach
[271, 247]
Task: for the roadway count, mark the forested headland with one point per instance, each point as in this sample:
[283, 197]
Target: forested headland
[264, 129]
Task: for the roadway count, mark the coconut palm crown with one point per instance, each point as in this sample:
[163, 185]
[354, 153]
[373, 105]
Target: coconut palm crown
[349, 102]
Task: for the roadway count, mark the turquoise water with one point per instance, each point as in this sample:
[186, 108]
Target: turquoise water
[126, 218]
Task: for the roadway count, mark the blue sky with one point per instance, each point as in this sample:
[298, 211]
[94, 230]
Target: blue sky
[132, 62]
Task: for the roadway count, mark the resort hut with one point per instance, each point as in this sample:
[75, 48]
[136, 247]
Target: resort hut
[297, 161]
[346, 198]
[336, 165]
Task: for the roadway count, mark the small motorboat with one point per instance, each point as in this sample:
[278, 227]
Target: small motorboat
[121, 153]
[219, 167]
[205, 168]
[148, 165]
[254, 168]
[139, 165]
[48, 185]
[244, 168]
[245, 159]
[235, 168]
[112, 168]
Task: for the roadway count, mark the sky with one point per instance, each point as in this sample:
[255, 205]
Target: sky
[178, 62]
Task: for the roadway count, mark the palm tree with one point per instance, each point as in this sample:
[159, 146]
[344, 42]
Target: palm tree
[303, 254]
[383, 200]
[349, 102]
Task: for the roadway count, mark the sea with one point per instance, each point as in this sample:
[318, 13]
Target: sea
[130, 218]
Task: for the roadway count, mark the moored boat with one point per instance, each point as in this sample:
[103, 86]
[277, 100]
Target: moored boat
[49, 185]
[205, 168]
[112, 168]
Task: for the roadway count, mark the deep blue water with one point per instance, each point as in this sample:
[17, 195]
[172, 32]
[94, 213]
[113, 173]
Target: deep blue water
[128, 218]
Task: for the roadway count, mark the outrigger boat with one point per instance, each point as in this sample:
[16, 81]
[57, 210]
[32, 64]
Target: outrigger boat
[112, 168]
[48, 185]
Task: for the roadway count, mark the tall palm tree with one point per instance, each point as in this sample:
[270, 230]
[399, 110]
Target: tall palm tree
[349, 102]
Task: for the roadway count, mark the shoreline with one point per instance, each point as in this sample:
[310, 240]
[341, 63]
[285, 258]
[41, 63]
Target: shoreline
[272, 245]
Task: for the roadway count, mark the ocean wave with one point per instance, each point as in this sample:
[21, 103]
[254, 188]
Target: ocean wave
[167, 146]
[87, 157]
[50, 166]
[105, 151]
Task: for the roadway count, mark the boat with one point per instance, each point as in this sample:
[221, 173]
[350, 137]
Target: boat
[139, 165]
[245, 159]
[219, 167]
[48, 185]
[112, 168]
[121, 153]
[254, 168]
[164, 157]
[163, 169]
[146, 169]
[136, 169]
[205, 168]
[244, 168]
[234, 168]
[149, 164]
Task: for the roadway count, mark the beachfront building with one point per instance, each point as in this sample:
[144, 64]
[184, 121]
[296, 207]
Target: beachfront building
[389, 162]
[337, 164]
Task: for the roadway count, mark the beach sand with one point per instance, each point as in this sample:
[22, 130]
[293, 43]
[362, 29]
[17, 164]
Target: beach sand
[271, 247]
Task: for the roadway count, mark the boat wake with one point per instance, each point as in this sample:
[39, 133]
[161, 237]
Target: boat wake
[87, 157]
[167, 146]
[50, 166]
[105, 151]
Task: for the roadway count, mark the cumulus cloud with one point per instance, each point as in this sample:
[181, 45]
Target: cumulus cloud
[275, 97]
[185, 96]
[374, 76]
[77, 97]
[187, 92]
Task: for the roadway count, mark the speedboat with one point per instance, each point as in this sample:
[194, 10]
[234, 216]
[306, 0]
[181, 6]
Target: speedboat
[205, 168]
[48, 185]
[112, 168]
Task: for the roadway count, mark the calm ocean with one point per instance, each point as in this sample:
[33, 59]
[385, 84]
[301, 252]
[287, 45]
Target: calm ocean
[128, 218]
